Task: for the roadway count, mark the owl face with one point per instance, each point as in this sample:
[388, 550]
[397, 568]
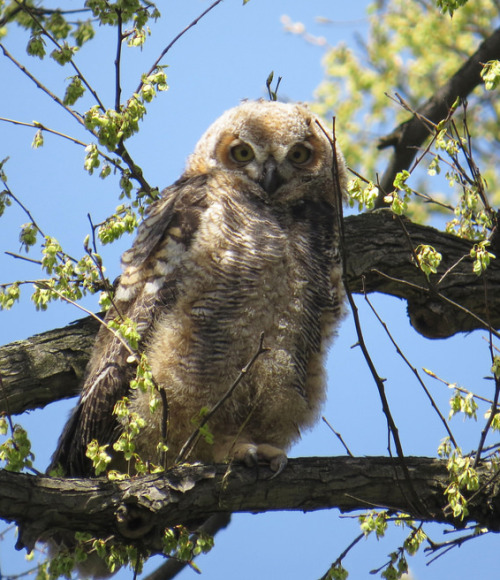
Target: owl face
[276, 149]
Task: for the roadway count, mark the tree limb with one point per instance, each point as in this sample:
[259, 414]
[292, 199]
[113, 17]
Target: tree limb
[411, 134]
[49, 366]
[190, 494]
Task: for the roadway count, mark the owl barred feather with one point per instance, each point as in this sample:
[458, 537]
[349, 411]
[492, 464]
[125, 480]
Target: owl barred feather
[244, 243]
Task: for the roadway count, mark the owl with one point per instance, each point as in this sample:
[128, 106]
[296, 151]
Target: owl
[243, 245]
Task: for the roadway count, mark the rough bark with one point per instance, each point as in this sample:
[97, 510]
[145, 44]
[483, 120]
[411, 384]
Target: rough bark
[190, 494]
[46, 367]
[49, 366]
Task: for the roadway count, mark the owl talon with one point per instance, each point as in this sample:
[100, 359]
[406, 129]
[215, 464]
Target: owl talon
[278, 464]
[251, 458]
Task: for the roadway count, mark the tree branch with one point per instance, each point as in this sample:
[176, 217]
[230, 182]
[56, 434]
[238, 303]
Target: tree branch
[48, 367]
[411, 134]
[190, 494]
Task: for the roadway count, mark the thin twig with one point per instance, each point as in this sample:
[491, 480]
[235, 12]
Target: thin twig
[118, 88]
[187, 447]
[28, 10]
[393, 430]
[494, 405]
[439, 295]
[45, 285]
[25, 258]
[169, 46]
[413, 369]
[338, 435]
[38, 125]
[447, 546]
[40, 85]
[456, 387]
[338, 561]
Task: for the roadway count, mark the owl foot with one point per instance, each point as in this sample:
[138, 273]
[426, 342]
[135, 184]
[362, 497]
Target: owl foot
[251, 454]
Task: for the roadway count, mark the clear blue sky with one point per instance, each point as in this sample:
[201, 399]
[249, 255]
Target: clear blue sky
[225, 58]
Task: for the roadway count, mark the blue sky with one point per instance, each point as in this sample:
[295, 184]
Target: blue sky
[225, 58]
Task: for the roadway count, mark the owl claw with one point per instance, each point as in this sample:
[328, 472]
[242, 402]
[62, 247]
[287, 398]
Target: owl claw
[278, 464]
[251, 458]
[252, 455]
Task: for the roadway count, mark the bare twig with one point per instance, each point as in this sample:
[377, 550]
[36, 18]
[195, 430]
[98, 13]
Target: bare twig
[494, 405]
[53, 96]
[456, 387]
[189, 444]
[338, 435]
[449, 301]
[414, 371]
[447, 546]
[392, 428]
[169, 46]
[338, 561]
[119, 40]
[25, 258]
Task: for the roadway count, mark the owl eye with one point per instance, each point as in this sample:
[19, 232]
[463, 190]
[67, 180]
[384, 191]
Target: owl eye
[242, 153]
[299, 154]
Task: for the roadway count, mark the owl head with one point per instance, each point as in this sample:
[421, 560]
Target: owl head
[279, 151]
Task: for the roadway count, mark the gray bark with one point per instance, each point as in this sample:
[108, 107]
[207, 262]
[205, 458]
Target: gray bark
[190, 494]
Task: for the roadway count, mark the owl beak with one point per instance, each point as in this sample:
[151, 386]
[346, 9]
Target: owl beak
[270, 179]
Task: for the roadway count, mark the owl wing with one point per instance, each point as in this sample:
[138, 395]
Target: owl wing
[147, 288]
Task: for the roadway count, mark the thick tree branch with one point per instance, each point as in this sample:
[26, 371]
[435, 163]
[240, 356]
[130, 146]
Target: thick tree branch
[49, 366]
[46, 367]
[190, 494]
[411, 134]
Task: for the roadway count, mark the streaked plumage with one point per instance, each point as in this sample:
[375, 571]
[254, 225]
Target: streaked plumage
[244, 242]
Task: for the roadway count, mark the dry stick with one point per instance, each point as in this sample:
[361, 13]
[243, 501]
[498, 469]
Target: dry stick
[338, 435]
[393, 430]
[411, 134]
[413, 369]
[188, 445]
[106, 285]
[474, 169]
[194, 23]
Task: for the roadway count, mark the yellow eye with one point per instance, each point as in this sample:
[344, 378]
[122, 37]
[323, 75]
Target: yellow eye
[299, 154]
[242, 153]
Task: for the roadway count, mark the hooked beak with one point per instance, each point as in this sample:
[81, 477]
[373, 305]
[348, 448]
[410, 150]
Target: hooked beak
[270, 179]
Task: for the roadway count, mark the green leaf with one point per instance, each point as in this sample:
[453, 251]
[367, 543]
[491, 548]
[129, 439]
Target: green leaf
[74, 91]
